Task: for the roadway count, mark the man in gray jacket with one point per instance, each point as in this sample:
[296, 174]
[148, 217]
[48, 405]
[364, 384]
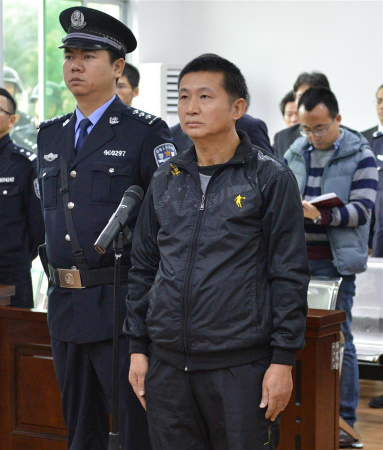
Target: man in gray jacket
[339, 161]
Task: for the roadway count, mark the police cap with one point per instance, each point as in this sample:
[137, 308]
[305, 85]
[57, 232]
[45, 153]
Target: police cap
[91, 29]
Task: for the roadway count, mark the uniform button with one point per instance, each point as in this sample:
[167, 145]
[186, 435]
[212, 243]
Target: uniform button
[73, 174]
[111, 170]
[70, 205]
[5, 192]
[67, 237]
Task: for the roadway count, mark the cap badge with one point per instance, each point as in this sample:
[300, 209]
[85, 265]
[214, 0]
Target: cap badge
[77, 20]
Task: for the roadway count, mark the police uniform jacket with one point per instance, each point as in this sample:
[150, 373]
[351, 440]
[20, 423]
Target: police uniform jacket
[21, 222]
[119, 152]
[376, 237]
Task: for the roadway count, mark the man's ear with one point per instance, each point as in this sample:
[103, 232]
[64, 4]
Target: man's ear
[13, 119]
[338, 119]
[136, 91]
[118, 67]
[239, 108]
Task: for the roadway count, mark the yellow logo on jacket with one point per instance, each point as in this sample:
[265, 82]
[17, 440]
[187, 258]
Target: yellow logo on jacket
[238, 200]
[175, 170]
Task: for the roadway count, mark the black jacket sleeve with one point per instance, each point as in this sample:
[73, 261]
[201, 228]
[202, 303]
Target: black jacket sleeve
[145, 258]
[36, 229]
[287, 268]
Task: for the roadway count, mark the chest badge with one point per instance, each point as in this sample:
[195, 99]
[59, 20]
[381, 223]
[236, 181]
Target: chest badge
[238, 200]
[51, 157]
[113, 120]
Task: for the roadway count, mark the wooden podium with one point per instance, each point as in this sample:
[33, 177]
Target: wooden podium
[30, 409]
[311, 419]
[30, 405]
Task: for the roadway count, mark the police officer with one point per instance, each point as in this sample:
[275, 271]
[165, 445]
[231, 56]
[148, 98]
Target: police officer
[24, 131]
[375, 137]
[21, 222]
[86, 161]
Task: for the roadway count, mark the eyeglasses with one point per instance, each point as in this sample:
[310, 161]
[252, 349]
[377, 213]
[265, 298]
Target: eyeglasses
[6, 112]
[322, 132]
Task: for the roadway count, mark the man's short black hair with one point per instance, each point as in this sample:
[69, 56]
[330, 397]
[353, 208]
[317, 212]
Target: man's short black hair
[12, 107]
[234, 82]
[313, 79]
[113, 56]
[314, 96]
[289, 97]
[132, 74]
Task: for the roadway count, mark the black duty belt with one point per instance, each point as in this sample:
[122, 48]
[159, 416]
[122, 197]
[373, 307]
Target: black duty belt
[74, 279]
[79, 276]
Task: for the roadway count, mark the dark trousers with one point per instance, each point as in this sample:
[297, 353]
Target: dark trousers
[84, 373]
[210, 409]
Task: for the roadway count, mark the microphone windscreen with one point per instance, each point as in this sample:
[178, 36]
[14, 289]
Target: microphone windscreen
[135, 192]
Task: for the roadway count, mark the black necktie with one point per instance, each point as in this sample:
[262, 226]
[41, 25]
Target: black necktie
[84, 124]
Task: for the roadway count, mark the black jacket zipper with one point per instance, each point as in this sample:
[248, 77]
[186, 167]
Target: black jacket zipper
[191, 261]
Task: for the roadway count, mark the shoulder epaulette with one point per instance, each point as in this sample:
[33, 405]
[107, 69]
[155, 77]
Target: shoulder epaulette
[142, 116]
[47, 123]
[24, 152]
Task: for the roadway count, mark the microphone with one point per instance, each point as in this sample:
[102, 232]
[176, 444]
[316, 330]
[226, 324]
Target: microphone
[132, 198]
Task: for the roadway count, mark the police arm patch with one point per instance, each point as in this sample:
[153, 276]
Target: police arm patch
[37, 187]
[164, 152]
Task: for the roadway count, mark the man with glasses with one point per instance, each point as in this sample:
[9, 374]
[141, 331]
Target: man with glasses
[326, 159]
[21, 221]
[284, 138]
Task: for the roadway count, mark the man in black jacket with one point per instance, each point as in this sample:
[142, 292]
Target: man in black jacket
[219, 278]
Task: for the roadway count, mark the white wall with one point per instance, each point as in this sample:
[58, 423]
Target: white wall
[272, 42]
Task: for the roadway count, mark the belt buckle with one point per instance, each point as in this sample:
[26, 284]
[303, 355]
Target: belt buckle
[70, 278]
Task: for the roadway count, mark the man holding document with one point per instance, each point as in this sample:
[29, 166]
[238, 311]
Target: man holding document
[328, 159]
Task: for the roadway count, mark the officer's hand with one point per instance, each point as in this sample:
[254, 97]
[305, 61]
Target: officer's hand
[139, 366]
[276, 389]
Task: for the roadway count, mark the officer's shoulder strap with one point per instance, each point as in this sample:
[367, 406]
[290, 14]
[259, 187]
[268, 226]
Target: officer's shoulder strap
[50, 122]
[141, 116]
[24, 152]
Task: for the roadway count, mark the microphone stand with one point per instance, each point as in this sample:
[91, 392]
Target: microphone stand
[114, 436]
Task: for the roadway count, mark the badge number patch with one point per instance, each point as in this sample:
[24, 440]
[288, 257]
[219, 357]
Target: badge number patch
[164, 152]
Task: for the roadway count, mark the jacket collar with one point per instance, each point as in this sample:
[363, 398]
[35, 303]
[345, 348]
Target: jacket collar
[243, 153]
[4, 141]
[350, 144]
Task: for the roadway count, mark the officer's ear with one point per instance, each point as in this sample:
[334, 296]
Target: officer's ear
[118, 67]
[13, 119]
